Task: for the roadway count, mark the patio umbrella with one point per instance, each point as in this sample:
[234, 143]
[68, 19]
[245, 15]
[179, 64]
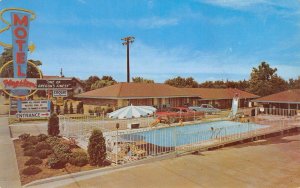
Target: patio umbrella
[132, 112]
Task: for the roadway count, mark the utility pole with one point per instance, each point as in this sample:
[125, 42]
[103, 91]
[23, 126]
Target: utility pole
[127, 41]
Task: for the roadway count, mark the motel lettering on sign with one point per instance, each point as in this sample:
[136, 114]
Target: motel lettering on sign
[20, 32]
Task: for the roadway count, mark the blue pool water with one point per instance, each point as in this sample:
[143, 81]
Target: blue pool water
[188, 134]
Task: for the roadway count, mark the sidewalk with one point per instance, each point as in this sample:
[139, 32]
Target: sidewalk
[9, 174]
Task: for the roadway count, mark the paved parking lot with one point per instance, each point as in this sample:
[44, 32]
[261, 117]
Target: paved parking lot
[274, 162]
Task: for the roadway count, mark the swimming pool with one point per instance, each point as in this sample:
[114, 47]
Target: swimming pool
[188, 134]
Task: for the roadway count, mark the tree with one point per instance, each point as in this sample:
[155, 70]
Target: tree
[141, 80]
[97, 148]
[53, 125]
[51, 107]
[264, 80]
[90, 81]
[65, 108]
[182, 82]
[102, 83]
[243, 85]
[71, 108]
[294, 83]
[8, 72]
[80, 108]
[94, 82]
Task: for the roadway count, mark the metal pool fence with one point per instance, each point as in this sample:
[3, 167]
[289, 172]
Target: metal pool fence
[80, 127]
[277, 111]
[129, 145]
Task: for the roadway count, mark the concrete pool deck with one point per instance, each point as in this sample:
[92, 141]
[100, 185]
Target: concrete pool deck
[273, 162]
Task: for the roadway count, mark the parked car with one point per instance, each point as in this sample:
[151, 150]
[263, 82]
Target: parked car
[206, 108]
[174, 114]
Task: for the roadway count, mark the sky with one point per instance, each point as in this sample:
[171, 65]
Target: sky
[204, 39]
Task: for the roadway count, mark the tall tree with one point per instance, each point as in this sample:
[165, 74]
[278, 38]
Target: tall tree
[182, 82]
[264, 80]
[294, 83]
[102, 83]
[90, 81]
[141, 80]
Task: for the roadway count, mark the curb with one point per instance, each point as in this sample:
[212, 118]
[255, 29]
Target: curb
[97, 172]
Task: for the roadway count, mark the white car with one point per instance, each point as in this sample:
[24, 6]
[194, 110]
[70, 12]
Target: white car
[207, 108]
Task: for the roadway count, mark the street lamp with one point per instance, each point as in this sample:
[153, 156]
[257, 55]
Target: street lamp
[127, 41]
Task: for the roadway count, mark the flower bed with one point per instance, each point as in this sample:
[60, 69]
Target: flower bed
[42, 157]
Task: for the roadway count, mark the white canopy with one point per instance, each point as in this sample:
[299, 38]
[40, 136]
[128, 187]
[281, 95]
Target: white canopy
[132, 112]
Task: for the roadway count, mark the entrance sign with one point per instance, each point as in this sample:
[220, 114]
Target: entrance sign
[54, 84]
[60, 93]
[34, 106]
[33, 115]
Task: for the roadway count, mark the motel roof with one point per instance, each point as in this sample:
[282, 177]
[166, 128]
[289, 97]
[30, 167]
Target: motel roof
[156, 90]
[289, 96]
[134, 90]
[219, 93]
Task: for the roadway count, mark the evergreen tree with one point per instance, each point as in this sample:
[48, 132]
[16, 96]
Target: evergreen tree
[53, 125]
[66, 108]
[80, 108]
[51, 107]
[97, 148]
[71, 108]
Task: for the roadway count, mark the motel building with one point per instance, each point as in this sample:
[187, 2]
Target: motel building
[289, 100]
[161, 96]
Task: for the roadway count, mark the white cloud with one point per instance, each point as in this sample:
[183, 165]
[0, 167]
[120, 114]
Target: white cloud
[282, 8]
[236, 4]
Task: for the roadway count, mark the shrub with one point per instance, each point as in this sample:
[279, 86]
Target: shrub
[80, 108]
[71, 143]
[43, 154]
[42, 145]
[51, 107]
[62, 151]
[61, 148]
[56, 162]
[29, 152]
[53, 125]
[97, 148]
[53, 140]
[24, 136]
[33, 161]
[71, 108]
[31, 170]
[28, 147]
[65, 108]
[32, 139]
[26, 143]
[42, 137]
[78, 158]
